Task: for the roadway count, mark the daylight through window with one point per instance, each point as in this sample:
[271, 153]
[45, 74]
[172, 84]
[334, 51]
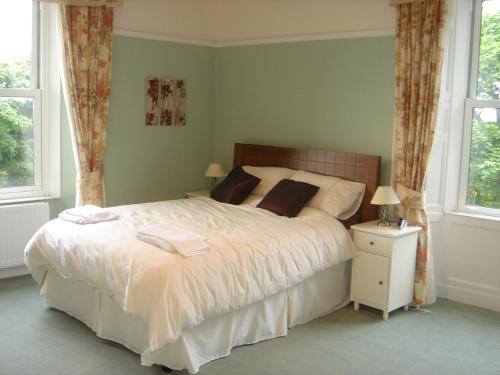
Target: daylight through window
[481, 174]
[20, 97]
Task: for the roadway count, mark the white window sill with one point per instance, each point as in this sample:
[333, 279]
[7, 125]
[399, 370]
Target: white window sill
[475, 219]
[4, 202]
[475, 215]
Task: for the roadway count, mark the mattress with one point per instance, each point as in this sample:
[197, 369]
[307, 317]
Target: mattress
[214, 338]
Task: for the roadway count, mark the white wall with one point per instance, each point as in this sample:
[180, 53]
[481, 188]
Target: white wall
[213, 21]
[469, 261]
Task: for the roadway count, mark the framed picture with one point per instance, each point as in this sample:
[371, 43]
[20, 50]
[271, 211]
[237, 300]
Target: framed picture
[165, 102]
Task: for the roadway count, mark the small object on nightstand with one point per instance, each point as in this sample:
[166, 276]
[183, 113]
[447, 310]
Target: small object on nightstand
[214, 170]
[197, 194]
[384, 196]
[402, 223]
[383, 271]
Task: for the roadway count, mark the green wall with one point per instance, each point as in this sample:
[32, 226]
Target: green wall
[67, 169]
[335, 94]
[141, 163]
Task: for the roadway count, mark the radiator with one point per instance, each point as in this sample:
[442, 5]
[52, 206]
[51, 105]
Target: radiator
[17, 224]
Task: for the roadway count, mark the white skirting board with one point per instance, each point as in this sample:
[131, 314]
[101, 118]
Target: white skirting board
[18, 223]
[13, 271]
[487, 299]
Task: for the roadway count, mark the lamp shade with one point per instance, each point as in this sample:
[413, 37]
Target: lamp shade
[385, 195]
[215, 170]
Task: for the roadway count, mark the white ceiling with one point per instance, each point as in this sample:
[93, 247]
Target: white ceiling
[234, 21]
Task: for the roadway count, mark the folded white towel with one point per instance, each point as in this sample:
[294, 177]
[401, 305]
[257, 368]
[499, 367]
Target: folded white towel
[155, 241]
[88, 214]
[186, 243]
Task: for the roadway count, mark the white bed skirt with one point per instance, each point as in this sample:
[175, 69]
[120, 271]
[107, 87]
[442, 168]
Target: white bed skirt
[325, 292]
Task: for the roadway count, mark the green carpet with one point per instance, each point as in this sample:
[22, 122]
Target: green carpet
[453, 339]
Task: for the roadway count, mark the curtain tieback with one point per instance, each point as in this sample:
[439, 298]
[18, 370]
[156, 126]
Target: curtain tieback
[89, 179]
[410, 198]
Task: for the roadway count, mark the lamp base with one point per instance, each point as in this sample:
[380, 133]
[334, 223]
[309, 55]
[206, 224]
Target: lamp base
[214, 182]
[385, 220]
[384, 223]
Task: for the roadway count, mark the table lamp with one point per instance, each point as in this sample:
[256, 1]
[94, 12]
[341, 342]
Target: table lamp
[214, 170]
[383, 197]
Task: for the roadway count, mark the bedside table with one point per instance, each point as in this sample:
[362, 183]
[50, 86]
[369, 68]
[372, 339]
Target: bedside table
[198, 193]
[384, 269]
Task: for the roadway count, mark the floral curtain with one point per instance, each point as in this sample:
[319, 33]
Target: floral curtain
[87, 32]
[397, 2]
[109, 3]
[418, 57]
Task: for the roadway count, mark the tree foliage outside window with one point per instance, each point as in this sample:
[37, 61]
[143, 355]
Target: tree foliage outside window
[484, 167]
[16, 127]
[29, 119]
[488, 79]
[483, 186]
[17, 62]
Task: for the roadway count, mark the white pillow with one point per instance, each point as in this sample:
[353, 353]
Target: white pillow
[323, 182]
[343, 199]
[252, 200]
[337, 197]
[269, 176]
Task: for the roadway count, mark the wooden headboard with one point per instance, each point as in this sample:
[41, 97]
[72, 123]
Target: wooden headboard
[349, 166]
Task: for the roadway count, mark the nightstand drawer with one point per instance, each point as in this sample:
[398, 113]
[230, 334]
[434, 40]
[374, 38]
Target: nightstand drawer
[372, 242]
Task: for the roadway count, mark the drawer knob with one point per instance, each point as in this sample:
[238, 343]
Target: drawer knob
[380, 282]
[372, 243]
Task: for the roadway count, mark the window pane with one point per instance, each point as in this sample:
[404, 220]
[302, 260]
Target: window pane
[16, 142]
[15, 43]
[488, 79]
[483, 187]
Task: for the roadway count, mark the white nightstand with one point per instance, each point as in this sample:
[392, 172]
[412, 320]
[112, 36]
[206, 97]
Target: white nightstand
[198, 193]
[384, 269]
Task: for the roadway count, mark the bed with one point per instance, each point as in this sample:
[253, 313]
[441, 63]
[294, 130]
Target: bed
[263, 274]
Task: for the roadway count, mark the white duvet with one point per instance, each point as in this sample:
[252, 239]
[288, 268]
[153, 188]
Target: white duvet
[253, 254]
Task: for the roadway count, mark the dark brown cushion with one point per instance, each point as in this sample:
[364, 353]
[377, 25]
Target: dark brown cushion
[237, 185]
[288, 197]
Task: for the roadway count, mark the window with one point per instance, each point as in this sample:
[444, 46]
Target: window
[27, 140]
[480, 176]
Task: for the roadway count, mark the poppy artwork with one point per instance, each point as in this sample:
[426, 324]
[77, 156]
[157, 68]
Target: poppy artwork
[165, 102]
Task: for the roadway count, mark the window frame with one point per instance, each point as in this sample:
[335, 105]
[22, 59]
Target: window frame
[45, 90]
[470, 103]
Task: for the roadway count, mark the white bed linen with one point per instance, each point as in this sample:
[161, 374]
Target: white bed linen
[214, 338]
[253, 254]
